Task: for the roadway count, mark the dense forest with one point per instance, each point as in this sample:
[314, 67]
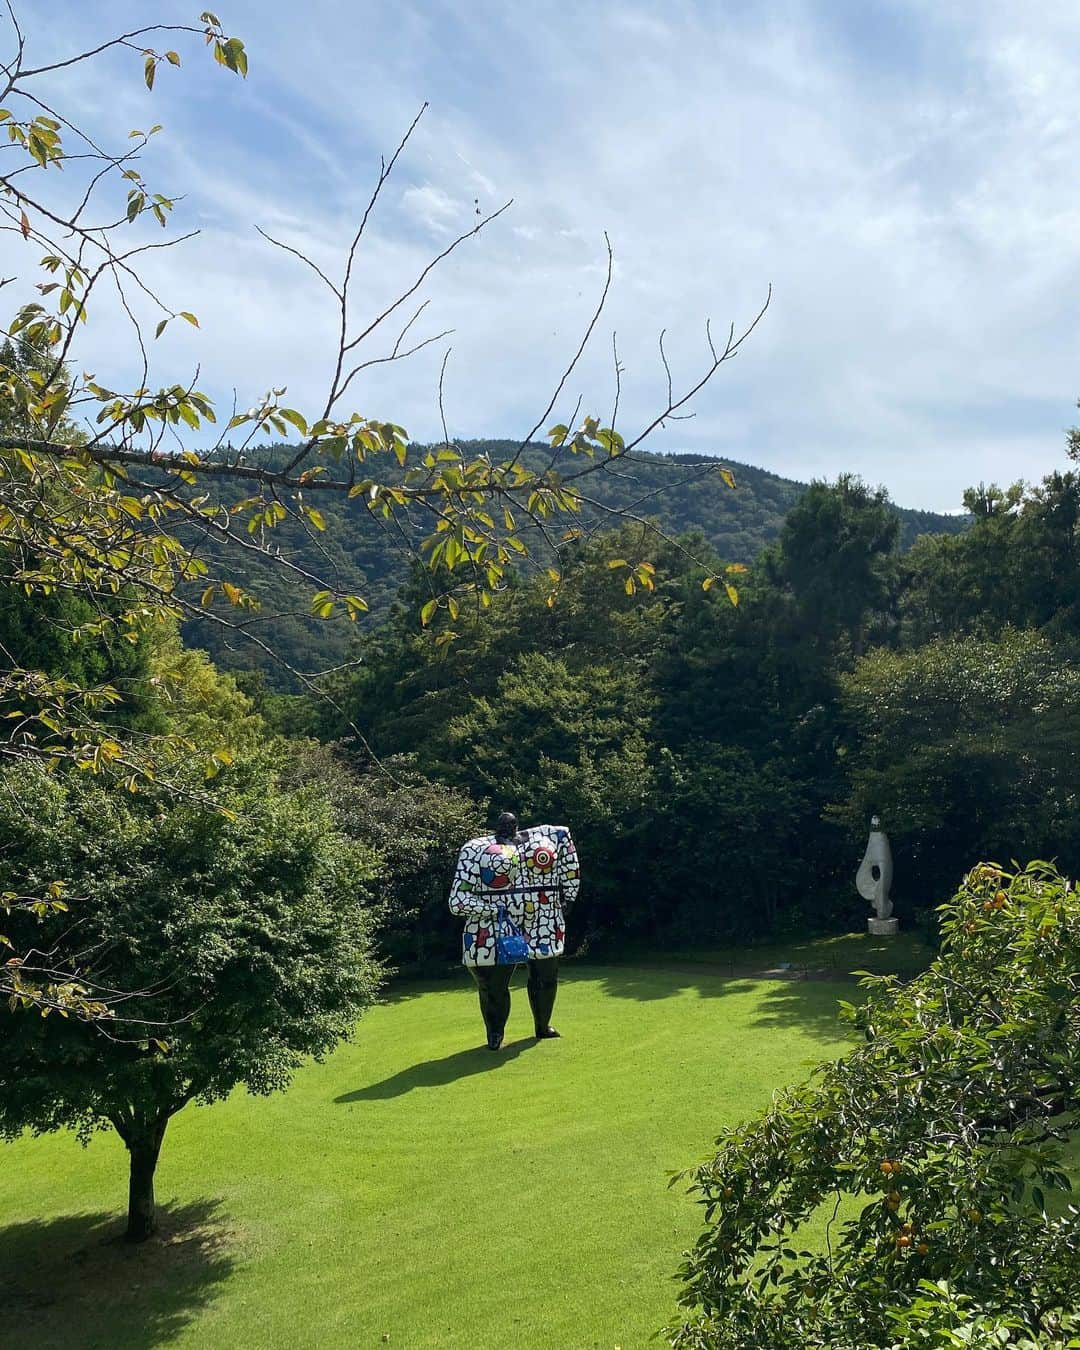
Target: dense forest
[733, 755]
[680, 493]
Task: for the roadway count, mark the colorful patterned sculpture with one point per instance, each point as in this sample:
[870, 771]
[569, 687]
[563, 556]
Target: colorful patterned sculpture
[535, 874]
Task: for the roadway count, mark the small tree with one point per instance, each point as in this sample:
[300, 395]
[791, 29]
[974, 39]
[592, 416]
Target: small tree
[246, 930]
[930, 1148]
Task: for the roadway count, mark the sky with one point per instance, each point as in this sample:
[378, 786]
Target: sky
[901, 174]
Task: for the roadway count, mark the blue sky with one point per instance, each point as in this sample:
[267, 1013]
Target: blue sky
[902, 173]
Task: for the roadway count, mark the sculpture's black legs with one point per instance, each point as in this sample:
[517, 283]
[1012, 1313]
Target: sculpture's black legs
[493, 986]
[543, 986]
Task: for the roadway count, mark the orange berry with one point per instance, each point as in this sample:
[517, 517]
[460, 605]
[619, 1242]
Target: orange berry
[922, 1248]
[903, 1240]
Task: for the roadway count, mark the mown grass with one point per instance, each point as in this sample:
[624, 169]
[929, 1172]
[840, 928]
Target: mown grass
[416, 1190]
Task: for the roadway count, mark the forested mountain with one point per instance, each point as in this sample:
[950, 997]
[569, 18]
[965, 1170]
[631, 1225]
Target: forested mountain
[680, 493]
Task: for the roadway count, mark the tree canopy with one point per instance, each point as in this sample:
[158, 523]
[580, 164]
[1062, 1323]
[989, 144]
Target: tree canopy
[237, 937]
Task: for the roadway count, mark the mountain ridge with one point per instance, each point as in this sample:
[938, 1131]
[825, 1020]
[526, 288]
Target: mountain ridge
[353, 554]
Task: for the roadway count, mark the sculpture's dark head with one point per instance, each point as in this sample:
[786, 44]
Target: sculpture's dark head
[506, 827]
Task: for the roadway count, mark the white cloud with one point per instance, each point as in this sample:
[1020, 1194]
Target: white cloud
[909, 190]
[435, 209]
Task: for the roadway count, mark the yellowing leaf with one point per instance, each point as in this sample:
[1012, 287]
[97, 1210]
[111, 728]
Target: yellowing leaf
[428, 612]
[732, 593]
[728, 477]
[736, 567]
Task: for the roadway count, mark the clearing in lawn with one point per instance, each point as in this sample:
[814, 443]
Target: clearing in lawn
[417, 1189]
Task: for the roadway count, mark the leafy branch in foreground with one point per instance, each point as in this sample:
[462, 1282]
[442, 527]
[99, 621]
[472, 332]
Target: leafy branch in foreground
[108, 493]
[933, 1150]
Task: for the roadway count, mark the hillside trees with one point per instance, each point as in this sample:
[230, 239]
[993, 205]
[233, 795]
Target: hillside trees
[934, 1150]
[1018, 564]
[668, 725]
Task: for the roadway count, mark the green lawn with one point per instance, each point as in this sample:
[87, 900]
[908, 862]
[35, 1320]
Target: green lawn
[416, 1189]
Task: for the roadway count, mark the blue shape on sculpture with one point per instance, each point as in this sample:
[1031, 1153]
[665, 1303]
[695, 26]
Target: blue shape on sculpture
[468, 939]
[544, 949]
[487, 876]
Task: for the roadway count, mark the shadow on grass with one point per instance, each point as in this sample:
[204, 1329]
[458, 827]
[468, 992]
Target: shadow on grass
[810, 1007]
[74, 1281]
[435, 1073]
[807, 1005]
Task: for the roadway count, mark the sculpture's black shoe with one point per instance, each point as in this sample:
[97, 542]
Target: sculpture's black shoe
[546, 1034]
[495, 1042]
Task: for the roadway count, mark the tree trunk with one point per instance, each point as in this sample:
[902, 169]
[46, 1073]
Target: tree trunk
[144, 1146]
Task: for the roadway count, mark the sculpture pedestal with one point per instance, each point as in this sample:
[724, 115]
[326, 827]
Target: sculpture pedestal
[883, 927]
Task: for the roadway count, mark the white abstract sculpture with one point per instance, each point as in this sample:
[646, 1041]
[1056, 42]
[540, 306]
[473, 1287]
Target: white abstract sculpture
[874, 879]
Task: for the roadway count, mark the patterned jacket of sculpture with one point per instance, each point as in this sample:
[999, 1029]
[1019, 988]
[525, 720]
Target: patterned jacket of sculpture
[536, 877]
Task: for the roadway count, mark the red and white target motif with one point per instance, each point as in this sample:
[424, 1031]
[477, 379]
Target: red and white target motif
[534, 879]
[542, 856]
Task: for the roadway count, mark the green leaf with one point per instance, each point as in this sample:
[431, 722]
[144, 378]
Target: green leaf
[294, 419]
[428, 612]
